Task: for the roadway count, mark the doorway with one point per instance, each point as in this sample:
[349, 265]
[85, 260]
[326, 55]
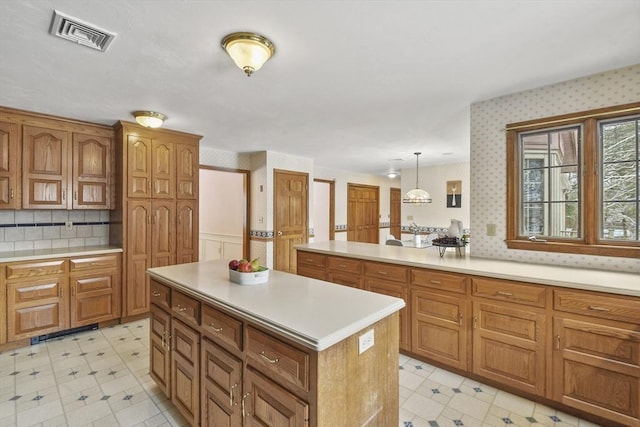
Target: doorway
[291, 213]
[224, 212]
[324, 210]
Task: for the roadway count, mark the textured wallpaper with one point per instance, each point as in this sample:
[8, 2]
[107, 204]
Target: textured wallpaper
[488, 156]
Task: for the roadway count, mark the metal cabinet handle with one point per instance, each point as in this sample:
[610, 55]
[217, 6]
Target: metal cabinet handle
[435, 282]
[64, 195]
[11, 193]
[265, 357]
[504, 293]
[181, 309]
[155, 293]
[599, 308]
[475, 322]
[213, 326]
[557, 342]
[279, 233]
[460, 318]
[231, 394]
[244, 413]
[383, 273]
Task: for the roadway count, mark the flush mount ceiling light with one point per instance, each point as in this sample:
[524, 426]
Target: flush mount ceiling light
[417, 196]
[248, 50]
[149, 119]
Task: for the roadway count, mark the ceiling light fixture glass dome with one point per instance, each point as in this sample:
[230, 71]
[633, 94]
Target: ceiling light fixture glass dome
[417, 196]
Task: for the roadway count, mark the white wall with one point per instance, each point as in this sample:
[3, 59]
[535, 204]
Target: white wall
[221, 208]
[434, 180]
[488, 157]
[320, 208]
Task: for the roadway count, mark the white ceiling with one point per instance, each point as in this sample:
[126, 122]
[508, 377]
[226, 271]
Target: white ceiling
[352, 85]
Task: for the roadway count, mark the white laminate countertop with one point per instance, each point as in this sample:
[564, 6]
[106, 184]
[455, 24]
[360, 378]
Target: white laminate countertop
[30, 255]
[578, 278]
[311, 312]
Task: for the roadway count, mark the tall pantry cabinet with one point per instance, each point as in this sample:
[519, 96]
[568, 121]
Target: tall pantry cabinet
[156, 215]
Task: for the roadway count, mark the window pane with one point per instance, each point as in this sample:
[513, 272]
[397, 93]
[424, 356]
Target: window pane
[618, 141]
[620, 221]
[619, 181]
[551, 188]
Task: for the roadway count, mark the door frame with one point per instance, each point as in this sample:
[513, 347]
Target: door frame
[246, 184]
[332, 205]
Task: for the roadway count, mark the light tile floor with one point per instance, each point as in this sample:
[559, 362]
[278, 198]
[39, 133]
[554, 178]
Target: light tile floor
[100, 378]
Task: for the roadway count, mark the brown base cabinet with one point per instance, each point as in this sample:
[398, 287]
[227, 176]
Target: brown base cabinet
[51, 295]
[515, 333]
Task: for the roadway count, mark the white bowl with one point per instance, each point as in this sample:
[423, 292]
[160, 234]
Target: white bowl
[252, 278]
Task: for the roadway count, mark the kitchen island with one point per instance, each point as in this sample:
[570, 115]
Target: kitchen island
[293, 351]
[567, 337]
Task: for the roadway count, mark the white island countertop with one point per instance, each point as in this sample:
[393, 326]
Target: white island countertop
[311, 312]
[568, 277]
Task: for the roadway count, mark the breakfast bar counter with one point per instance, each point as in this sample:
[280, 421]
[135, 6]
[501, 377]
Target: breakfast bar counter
[291, 351]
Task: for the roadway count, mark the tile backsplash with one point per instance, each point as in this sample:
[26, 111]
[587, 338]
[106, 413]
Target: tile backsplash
[46, 229]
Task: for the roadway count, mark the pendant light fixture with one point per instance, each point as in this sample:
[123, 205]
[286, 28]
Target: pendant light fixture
[417, 196]
[248, 50]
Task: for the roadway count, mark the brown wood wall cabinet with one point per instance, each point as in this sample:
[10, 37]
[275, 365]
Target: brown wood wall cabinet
[51, 162]
[221, 369]
[156, 215]
[46, 296]
[578, 348]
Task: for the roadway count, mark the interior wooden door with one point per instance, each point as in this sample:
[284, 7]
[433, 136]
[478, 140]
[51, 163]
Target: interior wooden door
[363, 213]
[291, 194]
[395, 207]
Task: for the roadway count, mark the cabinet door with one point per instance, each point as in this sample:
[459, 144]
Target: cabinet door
[266, 403]
[596, 367]
[94, 297]
[138, 259]
[221, 386]
[159, 353]
[163, 170]
[509, 345]
[185, 370]
[438, 327]
[9, 166]
[400, 291]
[138, 166]
[36, 307]
[45, 168]
[187, 171]
[188, 233]
[163, 233]
[91, 172]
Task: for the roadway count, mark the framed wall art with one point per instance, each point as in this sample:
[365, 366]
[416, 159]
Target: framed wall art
[454, 194]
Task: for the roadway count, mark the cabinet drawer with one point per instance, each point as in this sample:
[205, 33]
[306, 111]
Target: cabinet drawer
[505, 290]
[160, 294]
[311, 259]
[312, 272]
[185, 307]
[278, 359]
[91, 263]
[222, 328]
[348, 265]
[626, 309]
[386, 271]
[35, 269]
[437, 280]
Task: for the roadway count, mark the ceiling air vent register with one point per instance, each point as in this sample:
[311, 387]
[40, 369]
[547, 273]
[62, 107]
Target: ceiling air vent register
[80, 32]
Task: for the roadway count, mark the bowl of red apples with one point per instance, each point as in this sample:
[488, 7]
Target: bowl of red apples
[245, 272]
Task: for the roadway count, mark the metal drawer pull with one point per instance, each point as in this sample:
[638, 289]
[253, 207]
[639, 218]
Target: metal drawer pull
[36, 270]
[231, 394]
[504, 293]
[212, 325]
[308, 259]
[244, 414]
[181, 308]
[155, 293]
[435, 282]
[265, 357]
[342, 266]
[384, 273]
[598, 308]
